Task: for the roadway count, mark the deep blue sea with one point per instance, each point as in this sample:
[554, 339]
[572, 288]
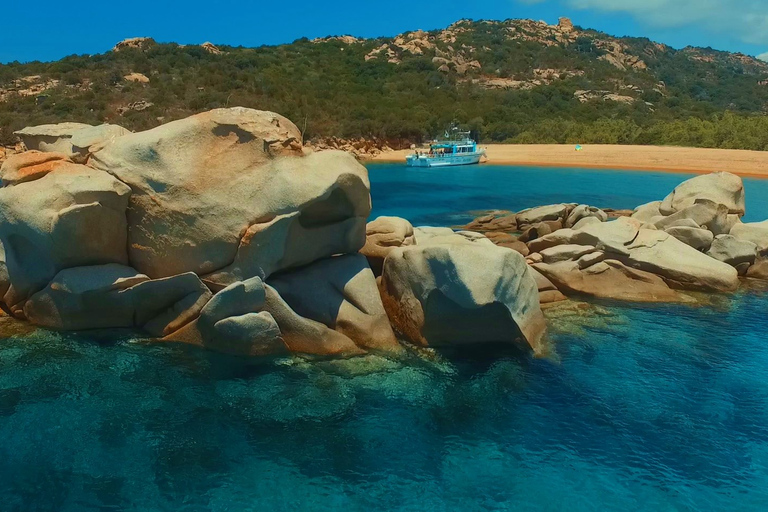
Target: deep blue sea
[639, 408]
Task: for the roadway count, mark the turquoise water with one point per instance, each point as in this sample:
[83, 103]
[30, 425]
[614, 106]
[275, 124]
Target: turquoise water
[640, 408]
[443, 197]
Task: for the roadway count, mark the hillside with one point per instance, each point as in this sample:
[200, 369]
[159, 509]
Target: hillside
[514, 80]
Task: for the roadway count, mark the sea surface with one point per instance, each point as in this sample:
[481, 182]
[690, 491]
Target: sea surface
[640, 407]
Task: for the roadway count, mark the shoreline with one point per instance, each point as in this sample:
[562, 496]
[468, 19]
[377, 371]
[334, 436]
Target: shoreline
[671, 159]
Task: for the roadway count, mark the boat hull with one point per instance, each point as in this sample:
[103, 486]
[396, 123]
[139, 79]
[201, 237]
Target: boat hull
[444, 161]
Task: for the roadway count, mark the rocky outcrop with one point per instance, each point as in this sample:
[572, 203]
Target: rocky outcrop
[30, 166]
[596, 276]
[111, 296]
[656, 252]
[229, 195]
[94, 138]
[740, 254]
[137, 78]
[74, 216]
[755, 232]
[720, 188]
[74, 140]
[50, 137]
[139, 43]
[234, 322]
[382, 236]
[340, 293]
[554, 212]
[458, 290]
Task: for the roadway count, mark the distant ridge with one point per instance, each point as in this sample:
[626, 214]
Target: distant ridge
[513, 80]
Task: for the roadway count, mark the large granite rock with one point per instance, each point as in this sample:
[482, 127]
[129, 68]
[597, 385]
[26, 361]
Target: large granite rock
[228, 195]
[721, 188]
[93, 138]
[607, 279]
[234, 322]
[698, 238]
[112, 296]
[582, 212]
[548, 292]
[541, 213]
[30, 166]
[71, 217]
[382, 236]
[755, 232]
[456, 291]
[50, 137]
[647, 212]
[340, 293]
[703, 213]
[731, 250]
[649, 250]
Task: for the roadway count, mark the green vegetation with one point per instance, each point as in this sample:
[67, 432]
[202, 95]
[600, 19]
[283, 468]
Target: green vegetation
[691, 97]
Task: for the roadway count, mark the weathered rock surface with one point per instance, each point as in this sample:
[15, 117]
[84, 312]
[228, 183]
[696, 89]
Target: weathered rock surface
[382, 236]
[731, 250]
[503, 221]
[608, 279]
[111, 296]
[652, 251]
[539, 229]
[755, 232]
[541, 214]
[704, 213]
[303, 335]
[71, 217]
[647, 212]
[93, 138]
[233, 322]
[548, 292]
[721, 188]
[29, 166]
[698, 238]
[759, 270]
[463, 292]
[582, 212]
[50, 137]
[340, 293]
[228, 195]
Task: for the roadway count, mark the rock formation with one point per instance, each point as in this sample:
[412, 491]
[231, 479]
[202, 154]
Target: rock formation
[455, 289]
[220, 230]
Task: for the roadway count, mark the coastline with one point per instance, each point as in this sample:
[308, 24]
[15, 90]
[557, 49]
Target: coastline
[753, 164]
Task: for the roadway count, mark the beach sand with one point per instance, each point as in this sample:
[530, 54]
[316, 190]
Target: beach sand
[652, 158]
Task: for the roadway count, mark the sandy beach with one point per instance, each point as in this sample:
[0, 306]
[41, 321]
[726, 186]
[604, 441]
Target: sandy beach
[652, 158]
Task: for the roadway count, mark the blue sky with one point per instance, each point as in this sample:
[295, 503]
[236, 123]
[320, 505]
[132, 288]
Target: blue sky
[49, 30]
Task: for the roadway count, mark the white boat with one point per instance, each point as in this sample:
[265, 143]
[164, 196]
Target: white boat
[460, 150]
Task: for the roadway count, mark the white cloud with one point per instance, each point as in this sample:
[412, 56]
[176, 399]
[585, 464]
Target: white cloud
[763, 56]
[747, 20]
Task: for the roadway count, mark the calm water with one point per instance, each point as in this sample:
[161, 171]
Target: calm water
[641, 408]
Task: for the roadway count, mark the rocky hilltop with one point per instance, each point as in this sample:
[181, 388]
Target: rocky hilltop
[513, 80]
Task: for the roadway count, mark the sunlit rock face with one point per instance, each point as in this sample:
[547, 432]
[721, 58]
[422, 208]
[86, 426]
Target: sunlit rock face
[229, 194]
